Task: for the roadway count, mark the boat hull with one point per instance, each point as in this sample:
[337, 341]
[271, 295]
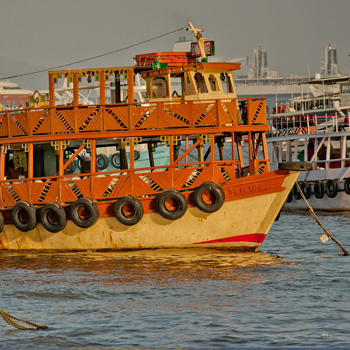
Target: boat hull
[341, 202]
[241, 224]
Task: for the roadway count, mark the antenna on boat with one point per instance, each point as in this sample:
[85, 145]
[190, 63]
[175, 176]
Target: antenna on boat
[200, 40]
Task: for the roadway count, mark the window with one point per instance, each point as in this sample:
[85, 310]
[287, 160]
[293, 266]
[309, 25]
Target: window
[200, 82]
[159, 88]
[213, 83]
[227, 85]
[176, 86]
[188, 86]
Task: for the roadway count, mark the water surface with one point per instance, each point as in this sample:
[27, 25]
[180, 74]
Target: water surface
[290, 294]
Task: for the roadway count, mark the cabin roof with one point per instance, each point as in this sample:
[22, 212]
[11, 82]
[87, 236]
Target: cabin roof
[192, 67]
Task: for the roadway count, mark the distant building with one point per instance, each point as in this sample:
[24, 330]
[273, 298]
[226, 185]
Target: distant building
[329, 66]
[259, 68]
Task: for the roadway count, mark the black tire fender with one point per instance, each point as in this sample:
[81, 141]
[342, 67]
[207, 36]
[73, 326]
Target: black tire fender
[28, 209]
[331, 188]
[216, 190]
[306, 189]
[318, 190]
[115, 160]
[136, 206]
[137, 155]
[180, 200]
[102, 161]
[71, 167]
[296, 193]
[2, 221]
[347, 185]
[89, 206]
[83, 158]
[53, 208]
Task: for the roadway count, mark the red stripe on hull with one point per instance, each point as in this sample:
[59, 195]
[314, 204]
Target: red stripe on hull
[254, 237]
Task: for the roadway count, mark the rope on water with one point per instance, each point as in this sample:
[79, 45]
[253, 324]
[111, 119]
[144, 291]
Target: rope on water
[319, 222]
[9, 319]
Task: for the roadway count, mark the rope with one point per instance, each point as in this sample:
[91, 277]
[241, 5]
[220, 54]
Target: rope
[319, 222]
[94, 57]
[8, 318]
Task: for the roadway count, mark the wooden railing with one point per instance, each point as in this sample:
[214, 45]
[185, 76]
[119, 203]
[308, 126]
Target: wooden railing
[137, 116]
[114, 184]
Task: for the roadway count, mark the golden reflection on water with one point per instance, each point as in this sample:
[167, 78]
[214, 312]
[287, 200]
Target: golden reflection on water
[161, 265]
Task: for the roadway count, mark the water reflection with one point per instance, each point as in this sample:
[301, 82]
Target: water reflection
[137, 267]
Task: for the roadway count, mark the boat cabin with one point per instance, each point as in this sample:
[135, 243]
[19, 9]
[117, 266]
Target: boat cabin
[63, 152]
[186, 80]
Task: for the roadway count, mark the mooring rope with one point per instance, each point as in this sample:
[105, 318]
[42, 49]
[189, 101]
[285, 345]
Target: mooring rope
[320, 223]
[8, 318]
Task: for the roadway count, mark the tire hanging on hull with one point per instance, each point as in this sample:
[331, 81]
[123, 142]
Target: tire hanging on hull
[128, 217]
[53, 217]
[24, 216]
[90, 207]
[319, 190]
[347, 185]
[214, 190]
[331, 188]
[2, 221]
[180, 204]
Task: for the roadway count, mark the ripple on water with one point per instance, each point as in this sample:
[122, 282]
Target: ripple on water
[284, 296]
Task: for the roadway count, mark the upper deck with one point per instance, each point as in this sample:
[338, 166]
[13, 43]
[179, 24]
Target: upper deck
[203, 102]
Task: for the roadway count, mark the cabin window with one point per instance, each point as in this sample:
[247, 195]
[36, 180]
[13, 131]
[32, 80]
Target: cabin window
[213, 83]
[16, 163]
[200, 82]
[188, 86]
[176, 86]
[159, 88]
[227, 83]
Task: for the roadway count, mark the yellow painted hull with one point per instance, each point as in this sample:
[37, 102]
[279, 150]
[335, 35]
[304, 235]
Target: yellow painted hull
[241, 224]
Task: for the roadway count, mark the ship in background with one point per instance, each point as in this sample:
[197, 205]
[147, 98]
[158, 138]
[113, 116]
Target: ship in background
[261, 81]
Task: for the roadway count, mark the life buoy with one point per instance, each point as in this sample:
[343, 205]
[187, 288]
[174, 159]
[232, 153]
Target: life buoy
[87, 205]
[115, 160]
[137, 155]
[319, 190]
[71, 168]
[331, 188]
[347, 185]
[306, 189]
[128, 210]
[24, 216]
[102, 161]
[2, 221]
[53, 217]
[290, 197]
[214, 190]
[296, 193]
[180, 204]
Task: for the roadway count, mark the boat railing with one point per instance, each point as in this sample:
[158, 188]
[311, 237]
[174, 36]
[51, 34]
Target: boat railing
[109, 185]
[308, 104]
[322, 151]
[133, 116]
[307, 124]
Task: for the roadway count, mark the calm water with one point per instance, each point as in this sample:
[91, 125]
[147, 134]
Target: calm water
[287, 295]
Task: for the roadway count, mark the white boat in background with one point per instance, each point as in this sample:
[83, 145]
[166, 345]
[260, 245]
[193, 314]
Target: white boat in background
[12, 96]
[260, 81]
[316, 130]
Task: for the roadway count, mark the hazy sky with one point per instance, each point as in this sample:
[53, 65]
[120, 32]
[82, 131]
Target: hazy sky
[41, 34]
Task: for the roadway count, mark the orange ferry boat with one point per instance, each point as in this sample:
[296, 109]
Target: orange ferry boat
[207, 196]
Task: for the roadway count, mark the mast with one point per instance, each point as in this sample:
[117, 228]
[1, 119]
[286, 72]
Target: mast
[200, 40]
